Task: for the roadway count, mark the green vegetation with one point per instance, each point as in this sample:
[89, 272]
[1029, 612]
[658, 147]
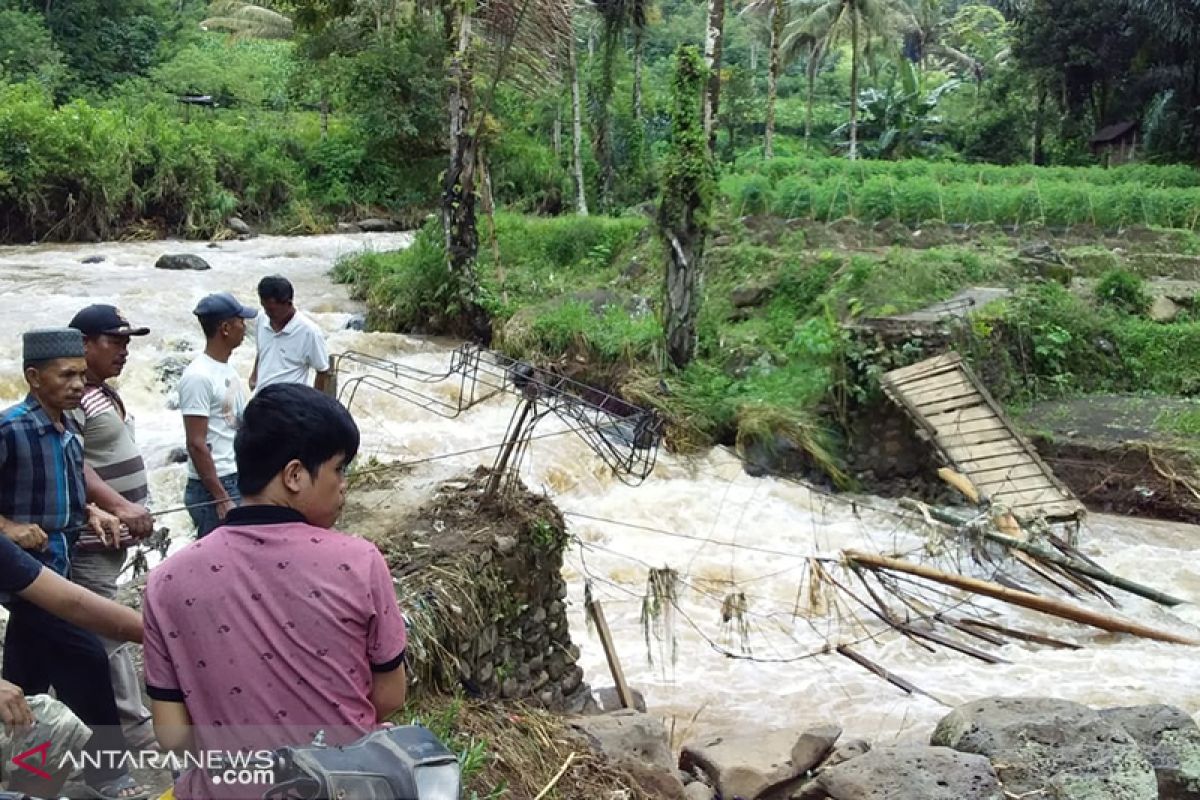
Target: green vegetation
[860, 193]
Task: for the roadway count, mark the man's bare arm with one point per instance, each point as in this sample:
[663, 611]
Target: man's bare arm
[88, 610]
[196, 430]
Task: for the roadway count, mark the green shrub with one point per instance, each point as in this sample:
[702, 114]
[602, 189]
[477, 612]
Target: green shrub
[1123, 291]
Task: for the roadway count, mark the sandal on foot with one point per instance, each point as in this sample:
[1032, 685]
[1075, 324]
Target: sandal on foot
[122, 788]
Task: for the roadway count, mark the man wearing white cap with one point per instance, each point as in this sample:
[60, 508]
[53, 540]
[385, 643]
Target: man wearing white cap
[211, 400]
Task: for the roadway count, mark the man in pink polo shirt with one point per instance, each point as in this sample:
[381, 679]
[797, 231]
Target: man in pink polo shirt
[275, 627]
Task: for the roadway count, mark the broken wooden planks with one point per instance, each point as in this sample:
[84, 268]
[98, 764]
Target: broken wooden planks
[970, 432]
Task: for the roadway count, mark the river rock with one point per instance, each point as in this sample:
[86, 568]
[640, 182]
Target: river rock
[636, 741]
[181, 261]
[238, 226]
[169, 370]
[1163, 309]
[357, 322]
[1044, 744]
[348, 227]
[751, 766]
[750, 296]
[92, 260]
[609, 700]
[699, 791]
[377, 225]
[178, 455]
[907, 773]
[845, 751]
[1170, 740]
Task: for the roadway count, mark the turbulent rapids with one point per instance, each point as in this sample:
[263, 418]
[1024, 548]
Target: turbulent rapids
[748, 640]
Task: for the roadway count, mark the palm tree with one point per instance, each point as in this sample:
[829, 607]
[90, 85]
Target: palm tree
[247, 20]
[819, 24]
[521, 42]
[777, 16]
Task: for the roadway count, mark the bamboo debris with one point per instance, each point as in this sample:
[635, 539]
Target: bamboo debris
[1045, 605]
[1014, 633]
[889, 676]
[960, 625]
[1090, 570]
[946, 641]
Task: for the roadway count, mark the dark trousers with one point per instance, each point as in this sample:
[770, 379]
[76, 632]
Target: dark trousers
[42, 651]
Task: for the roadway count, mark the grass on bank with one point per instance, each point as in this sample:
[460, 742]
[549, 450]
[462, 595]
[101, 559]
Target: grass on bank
[584, 293]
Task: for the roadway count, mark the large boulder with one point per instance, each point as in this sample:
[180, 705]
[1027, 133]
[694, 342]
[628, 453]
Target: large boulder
[1163, 309]
[181, 261]
[1062, 748]
[639, 744]
[1170, 739]
[377, 225]
[751, 767]
[906, 773]
[750, 296]
[239, 226]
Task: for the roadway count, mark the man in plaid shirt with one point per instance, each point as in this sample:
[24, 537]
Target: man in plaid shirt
[43, 507]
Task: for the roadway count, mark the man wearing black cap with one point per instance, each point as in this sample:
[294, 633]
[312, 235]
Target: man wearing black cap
[117, 483]
[43, 507]
[211, 400]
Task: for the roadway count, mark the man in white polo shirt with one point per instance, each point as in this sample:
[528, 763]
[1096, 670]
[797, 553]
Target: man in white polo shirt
[289, 343]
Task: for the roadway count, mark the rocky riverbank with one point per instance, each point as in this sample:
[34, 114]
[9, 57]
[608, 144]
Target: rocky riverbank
[997, 748]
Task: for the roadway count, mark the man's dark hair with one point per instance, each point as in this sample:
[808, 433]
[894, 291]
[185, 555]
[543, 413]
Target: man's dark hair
[39, 365]
[287, 421]
[276, 287]
[209, 324]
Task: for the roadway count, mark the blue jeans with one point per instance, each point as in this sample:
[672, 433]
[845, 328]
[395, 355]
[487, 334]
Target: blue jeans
[205, 515]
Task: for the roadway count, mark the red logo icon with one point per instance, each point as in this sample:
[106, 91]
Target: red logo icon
[41, 750]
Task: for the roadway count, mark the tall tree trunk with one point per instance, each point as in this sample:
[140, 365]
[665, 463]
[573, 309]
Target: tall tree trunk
[1037, 153]
[458, 196]
[683, 210]
[811, 70]
[638, 46]
[556, 134]
[576, 131]
[713, 41]
[489, 211]
[773, 78]
[853, 83]
[324, 105]
[602, 120]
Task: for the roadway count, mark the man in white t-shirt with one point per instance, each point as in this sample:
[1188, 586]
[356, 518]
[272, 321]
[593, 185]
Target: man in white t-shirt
[211, 400]
[290, 345]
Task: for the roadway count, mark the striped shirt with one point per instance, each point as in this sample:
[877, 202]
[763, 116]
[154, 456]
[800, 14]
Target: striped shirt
[110, 449]
[41, 477]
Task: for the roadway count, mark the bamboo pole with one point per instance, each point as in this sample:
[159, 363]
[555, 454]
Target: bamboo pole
[1024, 636]
[1051, 557]
[889, 676]
[1045, 605]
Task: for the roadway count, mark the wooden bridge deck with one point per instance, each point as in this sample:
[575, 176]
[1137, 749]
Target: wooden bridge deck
[972, 435]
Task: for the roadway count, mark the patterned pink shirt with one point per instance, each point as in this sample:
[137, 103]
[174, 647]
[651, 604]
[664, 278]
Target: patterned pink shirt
[268, 630]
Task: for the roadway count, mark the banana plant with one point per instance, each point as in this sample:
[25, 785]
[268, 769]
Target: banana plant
[899, 120]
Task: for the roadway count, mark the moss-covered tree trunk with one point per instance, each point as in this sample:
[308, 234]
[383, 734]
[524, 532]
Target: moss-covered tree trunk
[458, 195]
[773, 77]
[683, 212]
